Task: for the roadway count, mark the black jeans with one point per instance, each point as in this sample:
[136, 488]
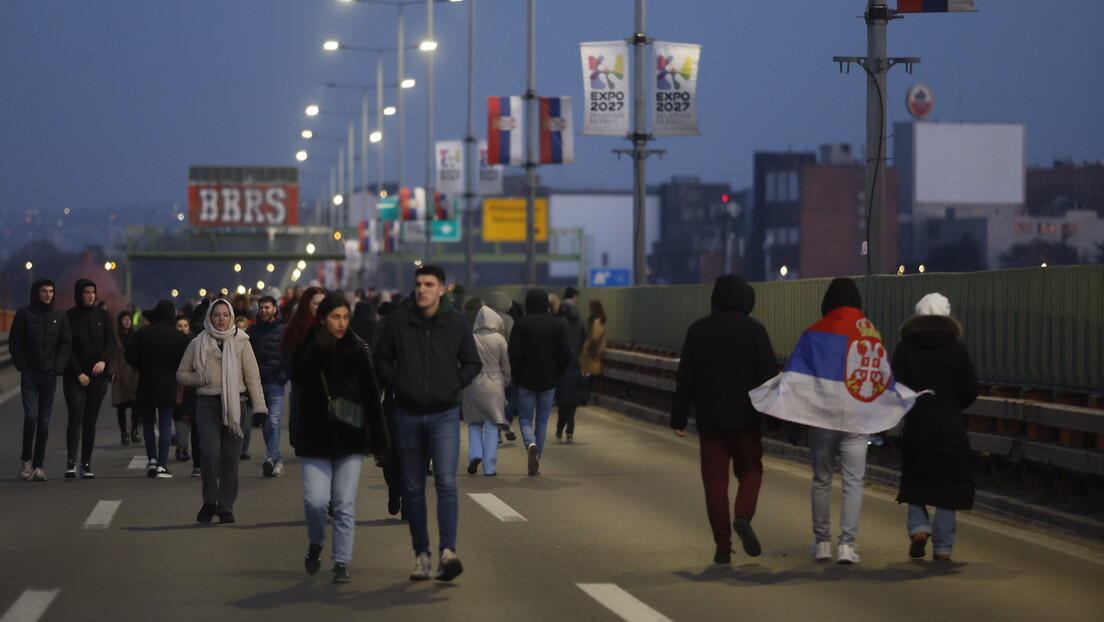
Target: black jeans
[84, 404]
[565, 417]
[37, 390]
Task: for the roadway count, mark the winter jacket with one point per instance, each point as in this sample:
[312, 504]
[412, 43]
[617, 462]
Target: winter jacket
[590, 359]
[485, 397]
[155, 351]
[124, 378]
[725, 355]
[347, 366]
[426, 361]
[576, 331]
[936, 466]
[210, 382]
[501, 303]
[265, 338]
[538, 346]
[40, 338]
[93, 335]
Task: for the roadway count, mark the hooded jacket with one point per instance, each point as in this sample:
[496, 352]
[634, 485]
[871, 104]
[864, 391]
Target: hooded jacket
[93, 335]
[724, 355]
[576, 331]
[427, 361]
[501, 303]
[155, 351]
[936, 465]
[538, 346]
[485, 397]
[40, 339]
[265, 338]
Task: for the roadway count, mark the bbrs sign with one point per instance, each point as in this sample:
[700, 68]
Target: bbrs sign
[243, 196]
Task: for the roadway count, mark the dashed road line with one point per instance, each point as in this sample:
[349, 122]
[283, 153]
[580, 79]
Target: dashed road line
[138, 462]
[625, 605]
[101, 515]
[497, 507]
[30, 606]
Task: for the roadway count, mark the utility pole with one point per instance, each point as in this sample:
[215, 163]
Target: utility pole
[876, 65]
[531, 115]
[470, 156]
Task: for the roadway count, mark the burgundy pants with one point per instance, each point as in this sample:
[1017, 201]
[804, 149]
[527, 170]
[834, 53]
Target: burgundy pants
[744, 450]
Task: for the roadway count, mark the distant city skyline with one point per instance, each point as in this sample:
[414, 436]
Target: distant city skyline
[107, 104]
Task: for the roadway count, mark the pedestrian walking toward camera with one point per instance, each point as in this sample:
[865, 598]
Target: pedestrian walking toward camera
[220, 364]
[124, 380]
[265, 336]
[538, 359]
[40, 342]
[339, 422]
[155, 351]
[485, 397]
[594, 344]
[724, 355]
[837, 381]
[87, 376]
[426, 356]
[936, 465]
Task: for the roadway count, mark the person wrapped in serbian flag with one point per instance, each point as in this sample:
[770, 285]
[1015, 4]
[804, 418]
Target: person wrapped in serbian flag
[839, 382]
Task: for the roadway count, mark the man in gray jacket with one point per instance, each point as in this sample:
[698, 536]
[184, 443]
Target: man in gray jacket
[40, 342]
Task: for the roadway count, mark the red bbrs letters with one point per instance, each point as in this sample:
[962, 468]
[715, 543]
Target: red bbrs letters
[243, 205]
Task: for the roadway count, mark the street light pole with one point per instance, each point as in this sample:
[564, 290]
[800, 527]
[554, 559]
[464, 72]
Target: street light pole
[431, 156]
[470, 155]
[531, 136]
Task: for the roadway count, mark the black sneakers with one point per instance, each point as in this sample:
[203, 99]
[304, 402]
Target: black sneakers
[473, 465]
[226, 516]
[747, 536]
[86, 471]
[71, 470]
[206, 513]
[341, 573]
[313, 560]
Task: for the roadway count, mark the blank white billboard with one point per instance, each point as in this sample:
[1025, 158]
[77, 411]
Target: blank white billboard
[969, 163]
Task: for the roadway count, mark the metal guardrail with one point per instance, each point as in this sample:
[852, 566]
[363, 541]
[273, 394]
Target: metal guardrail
[5, 355]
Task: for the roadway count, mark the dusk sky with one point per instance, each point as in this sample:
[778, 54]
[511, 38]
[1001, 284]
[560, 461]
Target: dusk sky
[107, 102]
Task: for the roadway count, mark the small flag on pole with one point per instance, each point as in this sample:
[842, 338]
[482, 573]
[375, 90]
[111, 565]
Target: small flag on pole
[557, 140]
[935, 6]
[504, 130]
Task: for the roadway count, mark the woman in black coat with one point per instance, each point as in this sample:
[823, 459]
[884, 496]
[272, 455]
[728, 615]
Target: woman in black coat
[335, 364]
[937, 468]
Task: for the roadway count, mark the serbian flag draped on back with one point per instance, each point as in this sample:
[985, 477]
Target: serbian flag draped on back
[935, 6]
[838, 378]
[557, 141]
[504, 130]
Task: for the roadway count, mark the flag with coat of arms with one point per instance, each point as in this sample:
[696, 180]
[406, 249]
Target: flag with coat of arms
[838, 378]
[935, 6]
[557, 140]
[505, 116]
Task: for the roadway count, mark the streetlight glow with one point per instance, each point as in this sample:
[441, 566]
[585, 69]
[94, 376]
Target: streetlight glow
[302, 265]
[407, 83]
[338, 199]
[260, 284]
[28, 265]
[389, 111]
[203, 292]
[427, 46]
[375, 137]
[175, 293]
[337, 235]
[270, 268]
[310, 248]
[301, 155]
[241, 289]
[783, 271]
[307, 134]
[331, 45]
[312, 110]
[237, 267]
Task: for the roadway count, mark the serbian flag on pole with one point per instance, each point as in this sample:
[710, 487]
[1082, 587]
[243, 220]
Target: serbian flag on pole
[504, 130]
[935, 6]
[838, 378]
[557, 141]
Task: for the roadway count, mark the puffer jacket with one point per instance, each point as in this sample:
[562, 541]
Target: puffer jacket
[40, 339]
[538, 346]
[93, 335]
[265, 338]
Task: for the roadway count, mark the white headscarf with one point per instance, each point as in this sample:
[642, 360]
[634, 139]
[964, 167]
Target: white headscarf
[233, 340]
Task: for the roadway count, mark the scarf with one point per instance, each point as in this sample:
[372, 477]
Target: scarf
[233, 341]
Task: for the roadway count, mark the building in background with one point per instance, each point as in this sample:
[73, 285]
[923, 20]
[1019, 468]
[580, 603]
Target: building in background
[773, 222]
[701, 231]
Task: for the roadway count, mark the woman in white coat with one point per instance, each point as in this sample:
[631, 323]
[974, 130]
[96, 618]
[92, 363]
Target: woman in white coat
[485, 397]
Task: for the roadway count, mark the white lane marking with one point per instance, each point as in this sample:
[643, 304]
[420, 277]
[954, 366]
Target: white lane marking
[138, 462]
[497, 507]
[101, 515]
[625, 605]
[30, 606]
[9, 394]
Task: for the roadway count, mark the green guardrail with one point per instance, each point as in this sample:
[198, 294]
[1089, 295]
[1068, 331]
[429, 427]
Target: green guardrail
[1035, 327]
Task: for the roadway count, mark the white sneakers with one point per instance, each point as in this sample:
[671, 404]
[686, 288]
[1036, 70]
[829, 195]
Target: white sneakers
[821, 551]
[449, 567]
[25, 473]
[846, 554]
[422, 568]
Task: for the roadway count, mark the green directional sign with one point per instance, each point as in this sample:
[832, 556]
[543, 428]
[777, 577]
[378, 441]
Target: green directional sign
[442, 230]
[388, 208]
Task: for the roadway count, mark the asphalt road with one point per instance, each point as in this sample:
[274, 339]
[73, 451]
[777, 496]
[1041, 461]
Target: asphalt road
[613, 529]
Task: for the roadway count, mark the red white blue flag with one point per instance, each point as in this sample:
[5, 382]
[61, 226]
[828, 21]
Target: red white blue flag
[505, 116]
[838, 378]
[935, 6]
[557, 140]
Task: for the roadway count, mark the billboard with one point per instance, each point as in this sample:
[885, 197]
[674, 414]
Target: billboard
[969, 163]
[243, 196]
[504, 220]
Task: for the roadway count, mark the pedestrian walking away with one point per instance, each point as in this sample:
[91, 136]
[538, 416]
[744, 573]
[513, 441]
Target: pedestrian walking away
[220, 364]
[155, 352]
[485, 397]
[340, 421]
[40, 342]
[538, 359]
[265, 336]
[936, 461]
[124, 381]
[724, 355]
[87, 376]
[426, 356]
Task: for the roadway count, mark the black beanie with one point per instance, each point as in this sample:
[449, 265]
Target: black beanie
[841, 293]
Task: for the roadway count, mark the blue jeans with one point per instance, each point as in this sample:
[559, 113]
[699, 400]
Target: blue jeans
[540, 402]
[328, 481]
[823, 447]
[156, 448]
[942, 527]
[423, 438]
[37, 390]
[274, 399]
[483, 444]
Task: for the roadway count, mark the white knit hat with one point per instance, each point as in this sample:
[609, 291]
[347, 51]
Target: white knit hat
[933, 304]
